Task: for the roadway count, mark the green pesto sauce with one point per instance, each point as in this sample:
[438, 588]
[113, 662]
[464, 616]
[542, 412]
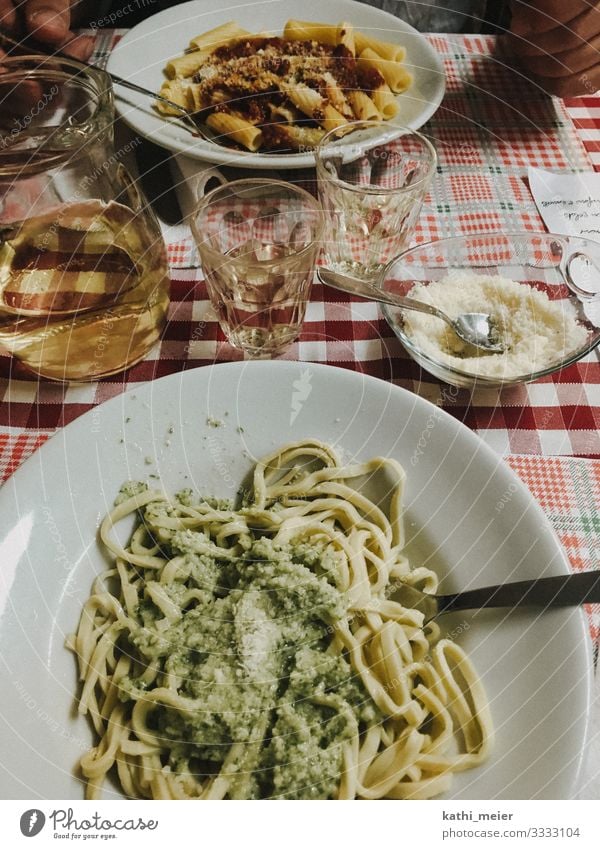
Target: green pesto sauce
[250, 649]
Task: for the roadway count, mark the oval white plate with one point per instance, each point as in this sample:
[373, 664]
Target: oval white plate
[536, 669]
[143, 53]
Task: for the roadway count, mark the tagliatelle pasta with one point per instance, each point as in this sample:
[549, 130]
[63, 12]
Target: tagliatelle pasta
[257, 652]
[290, 89]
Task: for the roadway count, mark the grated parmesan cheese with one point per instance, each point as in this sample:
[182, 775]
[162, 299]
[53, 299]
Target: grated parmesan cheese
[535, 331]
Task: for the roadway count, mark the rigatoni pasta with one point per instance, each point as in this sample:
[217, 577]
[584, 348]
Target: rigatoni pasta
[237, 128]
[397, 77]
[261, 92]
[345, 36]
[218, 36]
[364, 107]
[311, 31]
[186, 65]
[385, 101]
[314, 105]
[384, 49]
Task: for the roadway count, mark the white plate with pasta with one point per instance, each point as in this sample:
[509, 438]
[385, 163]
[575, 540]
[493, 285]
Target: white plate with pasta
[270, 85]
[205, 430]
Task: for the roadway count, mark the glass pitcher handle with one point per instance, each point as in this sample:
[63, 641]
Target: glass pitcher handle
[209, 179]
[570, 275]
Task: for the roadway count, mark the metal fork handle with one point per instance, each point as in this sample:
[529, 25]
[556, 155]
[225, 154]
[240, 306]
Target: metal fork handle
[557, 591]
[364, 289]
[141, 90]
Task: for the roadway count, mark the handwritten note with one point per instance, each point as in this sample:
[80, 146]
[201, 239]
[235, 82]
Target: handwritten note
[568, 203]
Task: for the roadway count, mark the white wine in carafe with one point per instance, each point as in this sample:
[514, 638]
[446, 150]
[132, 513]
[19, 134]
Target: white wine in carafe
[83, 290]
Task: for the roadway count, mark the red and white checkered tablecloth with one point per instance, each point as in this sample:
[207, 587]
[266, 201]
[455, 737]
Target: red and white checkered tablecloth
[491, 126]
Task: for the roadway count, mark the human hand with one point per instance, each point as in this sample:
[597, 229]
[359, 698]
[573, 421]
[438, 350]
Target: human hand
[558, 44]
[48, 21]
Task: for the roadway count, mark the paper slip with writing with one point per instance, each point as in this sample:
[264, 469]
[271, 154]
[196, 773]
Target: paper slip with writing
[570, 206]
[568, 203]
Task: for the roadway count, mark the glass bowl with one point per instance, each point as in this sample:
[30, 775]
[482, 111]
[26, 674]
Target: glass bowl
[566, 268]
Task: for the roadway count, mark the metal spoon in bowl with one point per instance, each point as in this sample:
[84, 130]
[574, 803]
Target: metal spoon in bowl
[476, 328]
[557, 591]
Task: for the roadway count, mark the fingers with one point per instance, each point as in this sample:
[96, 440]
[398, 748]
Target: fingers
[48, 20]
[78, 46]
[538, 16]
[565, 62]
[563, 58]
[8, 16]
[573, 34]
[572, 85]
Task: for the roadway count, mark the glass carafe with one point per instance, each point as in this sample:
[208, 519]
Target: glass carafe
[83, 272]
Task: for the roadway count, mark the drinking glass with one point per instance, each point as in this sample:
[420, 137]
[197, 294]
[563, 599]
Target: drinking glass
[373, 177]
[258, 241]
[83, 272]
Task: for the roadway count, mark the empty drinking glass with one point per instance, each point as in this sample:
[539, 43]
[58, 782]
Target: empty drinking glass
[373, 177]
